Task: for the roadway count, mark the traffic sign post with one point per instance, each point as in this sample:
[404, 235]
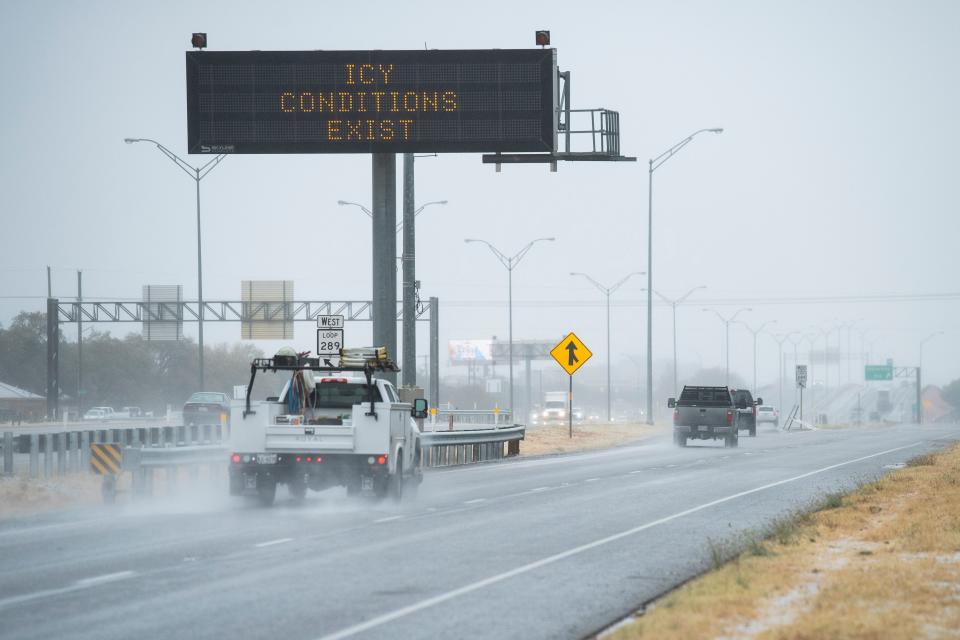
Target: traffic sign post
[801, 384]
[571, 354]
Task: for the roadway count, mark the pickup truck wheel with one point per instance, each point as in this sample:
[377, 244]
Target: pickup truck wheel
[734, 441]
[679, 439]
[396, 483]
[266, 492]
[753, 431]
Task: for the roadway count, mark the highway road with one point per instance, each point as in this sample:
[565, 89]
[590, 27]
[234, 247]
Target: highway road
[555, 547]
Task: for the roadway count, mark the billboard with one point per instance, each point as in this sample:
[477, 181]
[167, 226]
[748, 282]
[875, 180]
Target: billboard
[470, 351]
[371, 101]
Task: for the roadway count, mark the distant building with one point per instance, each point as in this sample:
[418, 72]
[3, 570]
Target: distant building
[20, 402]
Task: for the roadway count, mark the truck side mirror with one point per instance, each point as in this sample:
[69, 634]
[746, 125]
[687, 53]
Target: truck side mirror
[759, 401]
[671, 403]
[419, 410]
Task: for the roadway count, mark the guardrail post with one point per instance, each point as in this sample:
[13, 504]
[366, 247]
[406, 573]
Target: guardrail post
[206, 434]
[34, 455]
[61, 453]
[8, 453]
[47, 455]
[74, 452]
[84, 451]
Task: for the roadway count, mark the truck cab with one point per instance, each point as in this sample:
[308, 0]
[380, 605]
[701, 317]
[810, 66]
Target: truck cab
[328, 427]
[747, 410]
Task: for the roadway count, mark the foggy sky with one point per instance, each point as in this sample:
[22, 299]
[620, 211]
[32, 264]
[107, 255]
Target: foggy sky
[835, 176]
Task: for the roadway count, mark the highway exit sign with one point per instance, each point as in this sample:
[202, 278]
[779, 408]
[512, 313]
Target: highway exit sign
[878, 372]
[570, 353]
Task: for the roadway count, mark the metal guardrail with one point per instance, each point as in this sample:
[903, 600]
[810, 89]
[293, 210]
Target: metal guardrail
[141, 462]
[473, 416]
[447, 448]
[54, 453]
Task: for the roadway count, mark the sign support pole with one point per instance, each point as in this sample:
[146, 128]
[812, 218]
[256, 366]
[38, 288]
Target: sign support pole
[570, 408]
[409, 361]
[384, 192]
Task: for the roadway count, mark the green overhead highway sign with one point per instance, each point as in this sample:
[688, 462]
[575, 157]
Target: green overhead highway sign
[878, 372]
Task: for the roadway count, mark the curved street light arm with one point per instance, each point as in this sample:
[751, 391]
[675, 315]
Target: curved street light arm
[592, 281]
[624, 279]
[515, 260]
[344, 203]
[655, 163]
[687, 294]
[502, 258]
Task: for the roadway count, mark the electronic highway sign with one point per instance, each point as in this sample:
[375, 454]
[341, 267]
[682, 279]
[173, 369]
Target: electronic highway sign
[372, 101]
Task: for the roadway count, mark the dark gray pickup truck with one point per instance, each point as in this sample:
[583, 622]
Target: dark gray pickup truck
[704, 413]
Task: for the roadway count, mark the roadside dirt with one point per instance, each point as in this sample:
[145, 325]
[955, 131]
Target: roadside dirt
[22, 496]
[556, 439]
[881, 562]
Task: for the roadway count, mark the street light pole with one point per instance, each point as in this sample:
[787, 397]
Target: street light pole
[197, 174]
[726, 322]
[780, 340]
[919, 372]
[756, 332]
[509, 262]
[654, 164]
[673, 304]
[408, 261]
[607, 291]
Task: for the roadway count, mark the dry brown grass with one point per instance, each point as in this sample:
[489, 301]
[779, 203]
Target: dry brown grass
[21, 495]
[882, 562]
[555, 439]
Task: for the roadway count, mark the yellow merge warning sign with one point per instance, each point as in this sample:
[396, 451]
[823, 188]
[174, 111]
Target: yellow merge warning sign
[571, 353]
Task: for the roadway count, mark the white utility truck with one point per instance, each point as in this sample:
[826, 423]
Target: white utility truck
[331, 425]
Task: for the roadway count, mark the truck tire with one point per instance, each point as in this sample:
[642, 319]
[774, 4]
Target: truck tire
[679, 439]
[396, 481]
[297, 489]
[266, 492]
[753, 431]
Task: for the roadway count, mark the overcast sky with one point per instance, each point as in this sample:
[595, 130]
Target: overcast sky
[836, 175]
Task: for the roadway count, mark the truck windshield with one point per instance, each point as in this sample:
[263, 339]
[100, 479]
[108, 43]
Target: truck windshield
[705, 397]
[342, 395]
[555, 404]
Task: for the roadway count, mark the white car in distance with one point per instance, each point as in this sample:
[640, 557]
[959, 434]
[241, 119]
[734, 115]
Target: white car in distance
[766, 413]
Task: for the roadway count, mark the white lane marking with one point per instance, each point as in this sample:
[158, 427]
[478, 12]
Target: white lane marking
[475, 501]
[85, 583]
[539, 489]
[637, 471]
[671, 466]
[388, 519]
[270, 543]
[591, 479]
[449, 595]
[107, 577]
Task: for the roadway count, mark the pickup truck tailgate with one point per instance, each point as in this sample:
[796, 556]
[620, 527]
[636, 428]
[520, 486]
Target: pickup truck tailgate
[308, 439]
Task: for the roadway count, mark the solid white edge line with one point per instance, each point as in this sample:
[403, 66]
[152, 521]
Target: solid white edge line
[475, 501]
[270, 543]
[429, 602]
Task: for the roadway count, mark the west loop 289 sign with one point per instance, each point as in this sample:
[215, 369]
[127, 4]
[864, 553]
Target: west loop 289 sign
[371, 101]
